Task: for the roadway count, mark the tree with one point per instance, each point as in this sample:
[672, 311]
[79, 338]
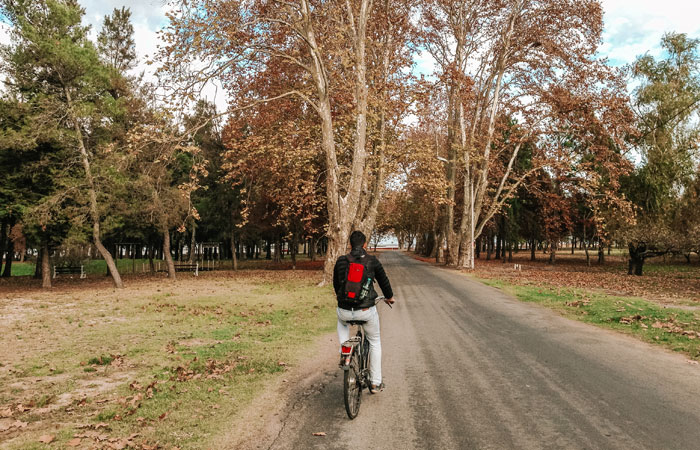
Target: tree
[242, 41]
[115, 42]
[499, 61]
[55, 65]
[165, 168]
[667, 102]
[275, 163]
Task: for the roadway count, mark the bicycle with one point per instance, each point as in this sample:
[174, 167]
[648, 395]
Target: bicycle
[354, 361]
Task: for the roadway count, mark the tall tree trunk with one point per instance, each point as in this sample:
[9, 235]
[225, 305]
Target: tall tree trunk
[234, 257]
[94, 213]
[312, 249]
[601, 253]
[533, 250]
[10, 257]
[151, 252]
[294, 251]
[450, 235]
[37, 266]
[166, 254]
[45, 266]
[342, 210]
[278, 251]
[636, 261]
[585, 243]
[3, 240]
[193, 243]
[510, 252]
[553, 253]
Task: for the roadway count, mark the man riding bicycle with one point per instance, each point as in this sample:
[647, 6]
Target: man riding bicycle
[353, 279]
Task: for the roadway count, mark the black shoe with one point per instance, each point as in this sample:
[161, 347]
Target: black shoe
[374, 389]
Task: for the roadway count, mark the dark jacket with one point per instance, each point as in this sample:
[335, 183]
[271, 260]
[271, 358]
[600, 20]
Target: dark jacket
[374, 270]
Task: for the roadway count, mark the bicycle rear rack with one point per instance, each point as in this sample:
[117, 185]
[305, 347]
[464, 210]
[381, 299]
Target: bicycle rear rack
[346, 351]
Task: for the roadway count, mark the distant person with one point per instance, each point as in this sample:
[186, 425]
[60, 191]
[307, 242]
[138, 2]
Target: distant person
[353, 280]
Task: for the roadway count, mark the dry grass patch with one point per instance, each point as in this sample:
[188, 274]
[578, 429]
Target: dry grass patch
[157, 363]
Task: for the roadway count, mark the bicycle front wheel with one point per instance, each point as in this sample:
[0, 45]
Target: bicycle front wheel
[352, 387]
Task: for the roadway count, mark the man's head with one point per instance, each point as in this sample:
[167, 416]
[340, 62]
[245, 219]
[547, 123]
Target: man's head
[357, 239]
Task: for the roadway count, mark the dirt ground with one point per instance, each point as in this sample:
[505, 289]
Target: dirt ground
[158, 364]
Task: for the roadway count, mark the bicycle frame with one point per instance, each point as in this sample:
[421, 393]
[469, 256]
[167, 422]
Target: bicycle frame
[354, 360]
[357, 343]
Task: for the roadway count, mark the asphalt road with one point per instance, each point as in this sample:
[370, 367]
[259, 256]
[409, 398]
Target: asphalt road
[469, 367]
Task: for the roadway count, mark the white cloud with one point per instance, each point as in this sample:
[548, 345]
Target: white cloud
[632, 28]
[635, 27]
[147, 17]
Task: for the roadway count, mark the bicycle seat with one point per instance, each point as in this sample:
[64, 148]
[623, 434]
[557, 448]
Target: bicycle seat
[356, 322]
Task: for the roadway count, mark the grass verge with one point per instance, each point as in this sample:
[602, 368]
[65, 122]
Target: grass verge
[155, 365]
[142, 266]
[674, 328]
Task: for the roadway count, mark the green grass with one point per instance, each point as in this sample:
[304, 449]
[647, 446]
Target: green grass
[210, 345]
[21, 269]
[678, 269]
[127, 266]
[674, 328]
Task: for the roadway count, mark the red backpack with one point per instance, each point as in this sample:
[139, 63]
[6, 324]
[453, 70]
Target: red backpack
[357, 282]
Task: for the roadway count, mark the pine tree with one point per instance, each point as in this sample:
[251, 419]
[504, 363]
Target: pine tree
[116, 40]
[53, 65]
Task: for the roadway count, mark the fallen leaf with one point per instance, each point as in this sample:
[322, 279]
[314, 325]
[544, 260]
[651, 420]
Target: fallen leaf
[74, 442]
[320, 433]
[6, 413]
[47, 438]
[120, 445]
[690, 361]
[162, 416]
[18, 424]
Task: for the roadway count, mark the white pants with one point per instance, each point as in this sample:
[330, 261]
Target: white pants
[372, 333]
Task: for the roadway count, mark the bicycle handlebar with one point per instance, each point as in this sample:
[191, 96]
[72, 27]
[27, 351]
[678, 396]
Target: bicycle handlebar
[380, 298]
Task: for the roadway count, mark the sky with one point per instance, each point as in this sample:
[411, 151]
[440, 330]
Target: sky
[632, 28]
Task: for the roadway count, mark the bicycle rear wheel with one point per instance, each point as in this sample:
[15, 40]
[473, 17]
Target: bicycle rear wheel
[352, 387]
